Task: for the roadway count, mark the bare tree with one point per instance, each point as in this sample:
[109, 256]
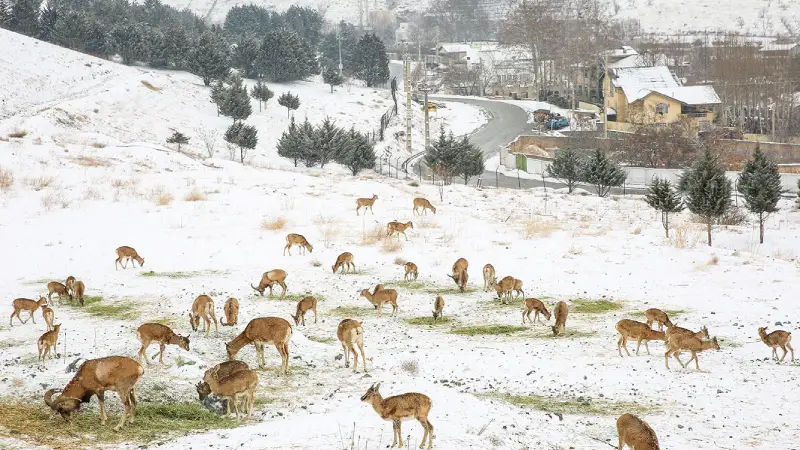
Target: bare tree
[208, 136]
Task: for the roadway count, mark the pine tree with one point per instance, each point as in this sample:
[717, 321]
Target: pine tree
[243, 136]
[289, 101]
[307, 144]
[235, 102]
[47, 22]
[244, 55]
[261, 93]
[284, 56]
[178, 138]
[567, 166]
[129, 41]
[442, 156]
[306, 22]
[5, 13]
[357, 152]
[603, 173]
[708, 190]
[470, 162]
[289, 143]
[218, 94]
[24, 17]
[331, 76]
[328, 141]
[209, 58]
[760, 184]
[662, 197]
[329, 47]
[370, 62]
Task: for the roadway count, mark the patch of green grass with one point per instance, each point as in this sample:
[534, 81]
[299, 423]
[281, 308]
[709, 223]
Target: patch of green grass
[495, 303]
[168, 321]
[358, 311]
[32, 422]
[180, 275]
[569, 334]
[598, 306]
[321, 340]
[573, 406]
[438, 290]
[407, 285]
[427, 320]
[294, 297]
[262, 400]
[12, 343]
[674, 312]
[96, 306]
[477, 330]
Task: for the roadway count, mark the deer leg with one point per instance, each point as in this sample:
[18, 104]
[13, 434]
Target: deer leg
[625, 345]
[696, 361]
[774, 352]
[101, 399]
[523, 317]
[355, 359]
[133, 405]
[424, 424]
[161, 353]
[285, 356]
[315, 314]
[619, 346]
[666, 361]
[638, 344]
[396, 428]
[783, 347]
[646, 347]
[32, 319]
[143, 352]
[346, 356]
[790, 348]
[363, 357]
[126, 405]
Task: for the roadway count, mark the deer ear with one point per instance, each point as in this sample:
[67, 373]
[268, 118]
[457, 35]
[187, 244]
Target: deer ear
[377, 386]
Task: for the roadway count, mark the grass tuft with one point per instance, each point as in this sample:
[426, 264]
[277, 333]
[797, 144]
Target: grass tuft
[479, 330]
[451, 290]
[321, 340]
[391, 246]
[275, 224]
[358, 311]
[291, 297]
[95, 306]
[572, 406]
[150, 86]
[90, 161]
[196, 195]
[538, 228]
[427, 320]
[181, 275]
[408, 285]
[6, 179]
[18, 134]
[589, 306]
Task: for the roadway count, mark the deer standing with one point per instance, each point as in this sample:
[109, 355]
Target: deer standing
[402, 407]
[155, 332]
[659, 316]
[240, 385]
[351, 334]
[260, 331]
[636, 330]
[366, 203]
[302, 307]
[48, 316]
[459, 273]
[489, 277]
[203, 307]
[398, 228]
[270, 278]
[293, 239]
[561, 311]
[425, 205]
[125, 254]
[25, 304]
[231, 310]
[78, 288]
[69, 284]
[47, 341]
[636, 433]
[683, 342]
[438, 307]
[54, 287]
[775, 339]
[411, 271]
[344, 261]
[379, 298]
[534, 305]
[219, 372]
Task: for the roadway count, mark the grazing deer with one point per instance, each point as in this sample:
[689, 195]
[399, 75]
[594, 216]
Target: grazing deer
[657, 315]
[561, 311]
[54, 287]
[351, 334]
[94, 377]
[48, 316]
[260, 331]
[459, 273]
[203, 307]
[296, 239]
[219, 371]
[636, 433]
[78, 289]
[489, 277]
[506, 286]
[684, 342]
[24, 304]
[240, 385]
[125, 254]
[345, 260]
[636, 330]
[398, 228]
[411, 271]
[155, 332]
[438, 307]
[47, 341]
[534, 305]
[775, 339]
[379, 298]
[270, 278]
[68, 284]
[231, 310]
[424, 204]
[366, 203]
[302, 307]
[402, 407]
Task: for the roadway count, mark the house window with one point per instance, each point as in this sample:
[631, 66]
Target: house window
[662, 108]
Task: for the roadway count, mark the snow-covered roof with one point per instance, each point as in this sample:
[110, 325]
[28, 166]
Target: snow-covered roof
[776, 46]
[622, 52]
[691, 95]
[638, 61]
[638, 82]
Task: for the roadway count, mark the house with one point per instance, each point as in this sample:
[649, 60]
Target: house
[481, 68]
[784, 47]
[647, 96]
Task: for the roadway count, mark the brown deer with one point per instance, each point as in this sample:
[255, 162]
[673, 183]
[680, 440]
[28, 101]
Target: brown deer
[506, 286]
[424, 204]
[219, 371]
[24, 304]
[636, 330]
[78, 288]
[54, 287]
[47, 341]
[459, 273]
[297, 239]
[69, 283]
[302, 307]
[260, 331]
[94, 377]
[674, 329]
[657, 315]
[411, 271]
[366, 203]
[48, 316]
[775, 339]
[270, 278]
[398, 228]
[203, 307]
[155, 332]
[378, 287]
[379, 298]
[688, 343]
[351, 334]
[534, 305]
[401, 407]
[231, 310]
[636, 433]
[438, 307]
[561, 311]
[240, 385]
[125, 254]
[489, 277]
[344, 261]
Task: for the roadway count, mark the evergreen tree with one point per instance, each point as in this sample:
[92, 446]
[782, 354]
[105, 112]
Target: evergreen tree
[470, 159]
[567, 166]
[261, 93]
[218, 94]
[603, 173]
[289, 143]
[243, 136]
[662, 197]
[168, 47]
[24, 17]
[209, 58]
[327, 141]
[234, 101]
[370, 62]
[308, 148]
[128, 41]
[284, 56]
[289, 101]
[178, 138]
[329, 47]
[244, 55]
[708, 191]
[331, 76]
[47, 22]
[357, 152]
[250, 20]
[442, 156]
[306, 22]
[760, 184]
[5, 13]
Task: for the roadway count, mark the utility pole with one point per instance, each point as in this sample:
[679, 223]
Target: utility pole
[407, 87]
[339, 36]
[605, 94]
[425, 91]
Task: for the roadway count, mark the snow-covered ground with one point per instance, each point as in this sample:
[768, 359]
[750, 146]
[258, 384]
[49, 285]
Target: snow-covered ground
[73, 203]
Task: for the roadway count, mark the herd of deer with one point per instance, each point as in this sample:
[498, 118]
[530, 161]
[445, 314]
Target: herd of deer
[235, 381]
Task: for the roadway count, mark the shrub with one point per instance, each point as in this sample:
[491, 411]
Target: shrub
[391, 246]
[6, 179]
[18, 134]
[40, 182]
[411, 367]
[539, 228]
[53, 200]
[93, 194]
[275, 224]
[196, 196]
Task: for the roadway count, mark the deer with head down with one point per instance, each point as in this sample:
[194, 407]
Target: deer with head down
[94, 377]
[25, 304]
[402, 407]
[506, 286]
[659, 316]
[47, 341]
[78, 289]
[293, 239]
[54, 287]
[238, 386]
[155, 332]
[424, 205]
[351, 335]
[260, 331]
[459, 273]
[561, 311]
[231, 310]
[219, 371]
[203, 307]
[636, 433]
[270, 278]
[366, 203]
[307, 303]
[344, 261]
[125, 254]
[411, 271]
[531, 305]
[69, 284]
[438, 307]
